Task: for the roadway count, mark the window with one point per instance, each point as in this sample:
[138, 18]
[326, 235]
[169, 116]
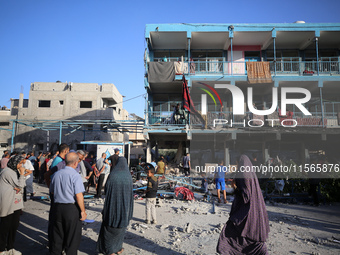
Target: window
[61, 102]
[44, 103]
[25, 103]
[3, 124]
[85, 104]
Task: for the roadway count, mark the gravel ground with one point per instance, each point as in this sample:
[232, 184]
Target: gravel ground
[190, 228]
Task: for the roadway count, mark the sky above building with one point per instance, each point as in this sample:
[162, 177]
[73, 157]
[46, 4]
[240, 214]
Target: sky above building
[103, 41]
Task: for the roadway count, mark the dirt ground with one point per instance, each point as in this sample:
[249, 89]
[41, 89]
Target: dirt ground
[190, 228]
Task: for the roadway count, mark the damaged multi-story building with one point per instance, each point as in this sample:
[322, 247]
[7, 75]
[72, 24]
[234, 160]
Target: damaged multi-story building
[66, 112]
[233, 71]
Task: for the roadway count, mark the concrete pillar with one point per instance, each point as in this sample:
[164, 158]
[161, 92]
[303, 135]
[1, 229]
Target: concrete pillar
[265, 152]
[187, 147]
[226, 155]
[148, 151]
[307, 155]
[304, 154]
[21, 100]
[156, 152]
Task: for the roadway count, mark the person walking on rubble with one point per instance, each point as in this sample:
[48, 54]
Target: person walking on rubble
[186, 164]
[220, 181]
[151, 193]
[247, 228]
[161, 167]
[118, 209]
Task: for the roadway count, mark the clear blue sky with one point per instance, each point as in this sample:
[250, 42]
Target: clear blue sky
[102, 41]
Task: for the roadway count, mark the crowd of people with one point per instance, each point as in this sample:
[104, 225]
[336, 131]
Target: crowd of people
[69, 174]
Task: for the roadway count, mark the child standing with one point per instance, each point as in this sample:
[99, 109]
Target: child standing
[151, 193]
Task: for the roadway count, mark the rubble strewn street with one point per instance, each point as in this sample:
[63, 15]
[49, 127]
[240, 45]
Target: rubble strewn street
[189, 227]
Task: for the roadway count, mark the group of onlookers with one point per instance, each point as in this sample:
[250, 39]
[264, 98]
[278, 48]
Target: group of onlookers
[68, 176]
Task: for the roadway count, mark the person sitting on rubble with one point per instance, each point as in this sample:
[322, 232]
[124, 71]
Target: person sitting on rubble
[151, 193]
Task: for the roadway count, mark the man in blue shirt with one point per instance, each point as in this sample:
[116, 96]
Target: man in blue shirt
[220, 181]
[69, 209]
[63, 150]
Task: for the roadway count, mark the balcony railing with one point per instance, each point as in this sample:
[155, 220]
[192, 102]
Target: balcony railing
[285, 66]
[164, 118]
[227, 119]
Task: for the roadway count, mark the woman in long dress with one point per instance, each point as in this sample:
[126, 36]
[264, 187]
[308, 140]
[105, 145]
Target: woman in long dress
[247, 228]
[12, 182]
[118, 209]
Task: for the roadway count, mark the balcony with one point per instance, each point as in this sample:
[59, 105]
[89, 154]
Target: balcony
[330, 119]
[283, 66]
[166, 118]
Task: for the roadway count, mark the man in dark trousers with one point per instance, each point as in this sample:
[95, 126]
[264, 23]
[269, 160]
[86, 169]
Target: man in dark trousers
[114, 158]
[101, 168]
[69, 209]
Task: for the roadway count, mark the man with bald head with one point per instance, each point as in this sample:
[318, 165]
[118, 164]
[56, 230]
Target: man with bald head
[69, 210]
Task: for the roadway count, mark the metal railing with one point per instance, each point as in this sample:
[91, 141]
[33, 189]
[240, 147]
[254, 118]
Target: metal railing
[284, 66]
[226, 119]
[170, 59]
[163, 118]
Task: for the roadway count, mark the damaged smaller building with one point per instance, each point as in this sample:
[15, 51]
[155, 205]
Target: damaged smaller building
[66, 112]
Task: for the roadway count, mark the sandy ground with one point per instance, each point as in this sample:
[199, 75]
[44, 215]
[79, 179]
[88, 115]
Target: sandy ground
[294, 229]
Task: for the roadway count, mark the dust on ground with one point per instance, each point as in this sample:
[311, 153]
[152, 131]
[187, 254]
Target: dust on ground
[186, 227]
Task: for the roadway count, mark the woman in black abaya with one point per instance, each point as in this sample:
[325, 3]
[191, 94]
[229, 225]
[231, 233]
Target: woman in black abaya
[247, 228]
[118, 209]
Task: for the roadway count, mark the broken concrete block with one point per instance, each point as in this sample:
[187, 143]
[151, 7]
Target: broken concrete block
[187, 228]
[143, 226]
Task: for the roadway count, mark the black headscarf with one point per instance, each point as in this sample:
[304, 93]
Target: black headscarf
[13, 162]
[118, 207]
[248, 212]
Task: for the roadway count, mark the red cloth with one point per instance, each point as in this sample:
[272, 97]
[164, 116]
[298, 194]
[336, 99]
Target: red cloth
[187, 194]
[187, 102]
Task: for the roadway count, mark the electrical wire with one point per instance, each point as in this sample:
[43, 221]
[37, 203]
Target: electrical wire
[131, 98]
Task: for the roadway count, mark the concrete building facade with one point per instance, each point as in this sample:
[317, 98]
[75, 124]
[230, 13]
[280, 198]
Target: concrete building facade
[5, 128]
[218, 60]
[58, 101]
